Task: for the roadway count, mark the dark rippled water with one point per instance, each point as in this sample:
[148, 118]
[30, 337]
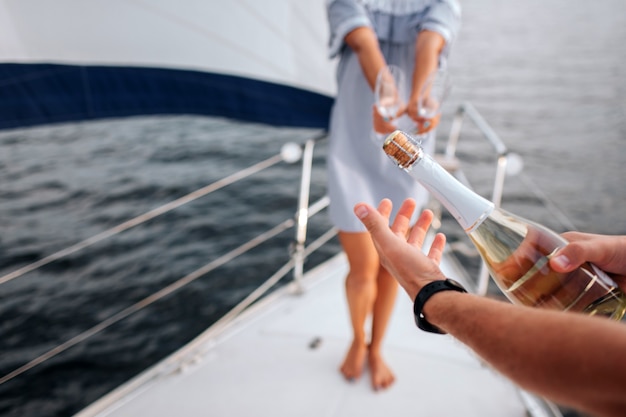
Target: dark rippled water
[549, 76]
[66, 183]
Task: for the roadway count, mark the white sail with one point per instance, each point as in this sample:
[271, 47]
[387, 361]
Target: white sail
[282, 42]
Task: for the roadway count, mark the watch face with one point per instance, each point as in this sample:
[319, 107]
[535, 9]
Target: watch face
[456, 284]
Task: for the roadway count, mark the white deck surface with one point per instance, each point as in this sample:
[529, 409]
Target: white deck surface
[265, 366]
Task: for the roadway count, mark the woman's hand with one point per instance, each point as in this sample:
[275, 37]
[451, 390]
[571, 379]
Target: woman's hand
[400, 250]
[428, 48]
[423, 124]
[381, 124]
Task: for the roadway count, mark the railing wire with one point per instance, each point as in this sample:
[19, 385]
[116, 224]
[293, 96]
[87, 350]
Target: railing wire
[143, 218]
[263, 237]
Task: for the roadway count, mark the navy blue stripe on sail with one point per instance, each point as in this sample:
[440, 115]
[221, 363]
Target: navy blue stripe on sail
[34, 94]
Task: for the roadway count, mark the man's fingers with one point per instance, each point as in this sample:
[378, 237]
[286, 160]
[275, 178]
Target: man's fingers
[418, 233]
[402, 221]
[581, 247]
[436, 249]
[384, 207]
[375, 222]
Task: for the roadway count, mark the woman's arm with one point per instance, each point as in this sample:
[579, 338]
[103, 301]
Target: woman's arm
[364, 43]
[427, 50]
[428, 47]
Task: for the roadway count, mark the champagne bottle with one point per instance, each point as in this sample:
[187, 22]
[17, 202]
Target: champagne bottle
[515, 250]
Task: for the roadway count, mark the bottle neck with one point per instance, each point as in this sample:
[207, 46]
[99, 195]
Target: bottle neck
[468, 208]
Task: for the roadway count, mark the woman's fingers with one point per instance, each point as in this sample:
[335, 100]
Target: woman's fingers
[426, 125]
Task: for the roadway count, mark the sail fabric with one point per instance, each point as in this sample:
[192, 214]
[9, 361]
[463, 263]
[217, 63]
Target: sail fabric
[263, 61]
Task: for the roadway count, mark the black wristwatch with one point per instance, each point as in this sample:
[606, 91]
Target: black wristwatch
[425, 293]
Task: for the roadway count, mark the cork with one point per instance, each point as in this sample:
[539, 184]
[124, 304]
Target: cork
[402, 149]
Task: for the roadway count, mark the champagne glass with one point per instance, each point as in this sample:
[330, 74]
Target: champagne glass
[389, 95]
[433, 93]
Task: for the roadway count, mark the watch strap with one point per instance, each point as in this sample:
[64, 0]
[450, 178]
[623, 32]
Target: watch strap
[424, 294]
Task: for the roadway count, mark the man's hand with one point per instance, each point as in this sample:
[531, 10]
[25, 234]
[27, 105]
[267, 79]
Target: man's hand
[400, 250]
[606, 252]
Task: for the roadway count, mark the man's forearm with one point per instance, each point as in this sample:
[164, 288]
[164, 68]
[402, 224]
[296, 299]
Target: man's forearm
[570, 358]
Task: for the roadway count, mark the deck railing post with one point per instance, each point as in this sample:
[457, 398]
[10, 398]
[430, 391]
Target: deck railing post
[302, 215]
[455, 133]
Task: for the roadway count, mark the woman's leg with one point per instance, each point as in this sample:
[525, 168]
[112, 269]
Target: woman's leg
[387, 286]
[361, 288]
[370, 289]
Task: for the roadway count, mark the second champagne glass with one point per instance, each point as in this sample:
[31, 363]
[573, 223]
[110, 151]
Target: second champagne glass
[432, 94]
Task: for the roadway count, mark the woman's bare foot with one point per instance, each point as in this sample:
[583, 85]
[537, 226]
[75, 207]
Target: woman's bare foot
[381, 375]
[352, 366]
